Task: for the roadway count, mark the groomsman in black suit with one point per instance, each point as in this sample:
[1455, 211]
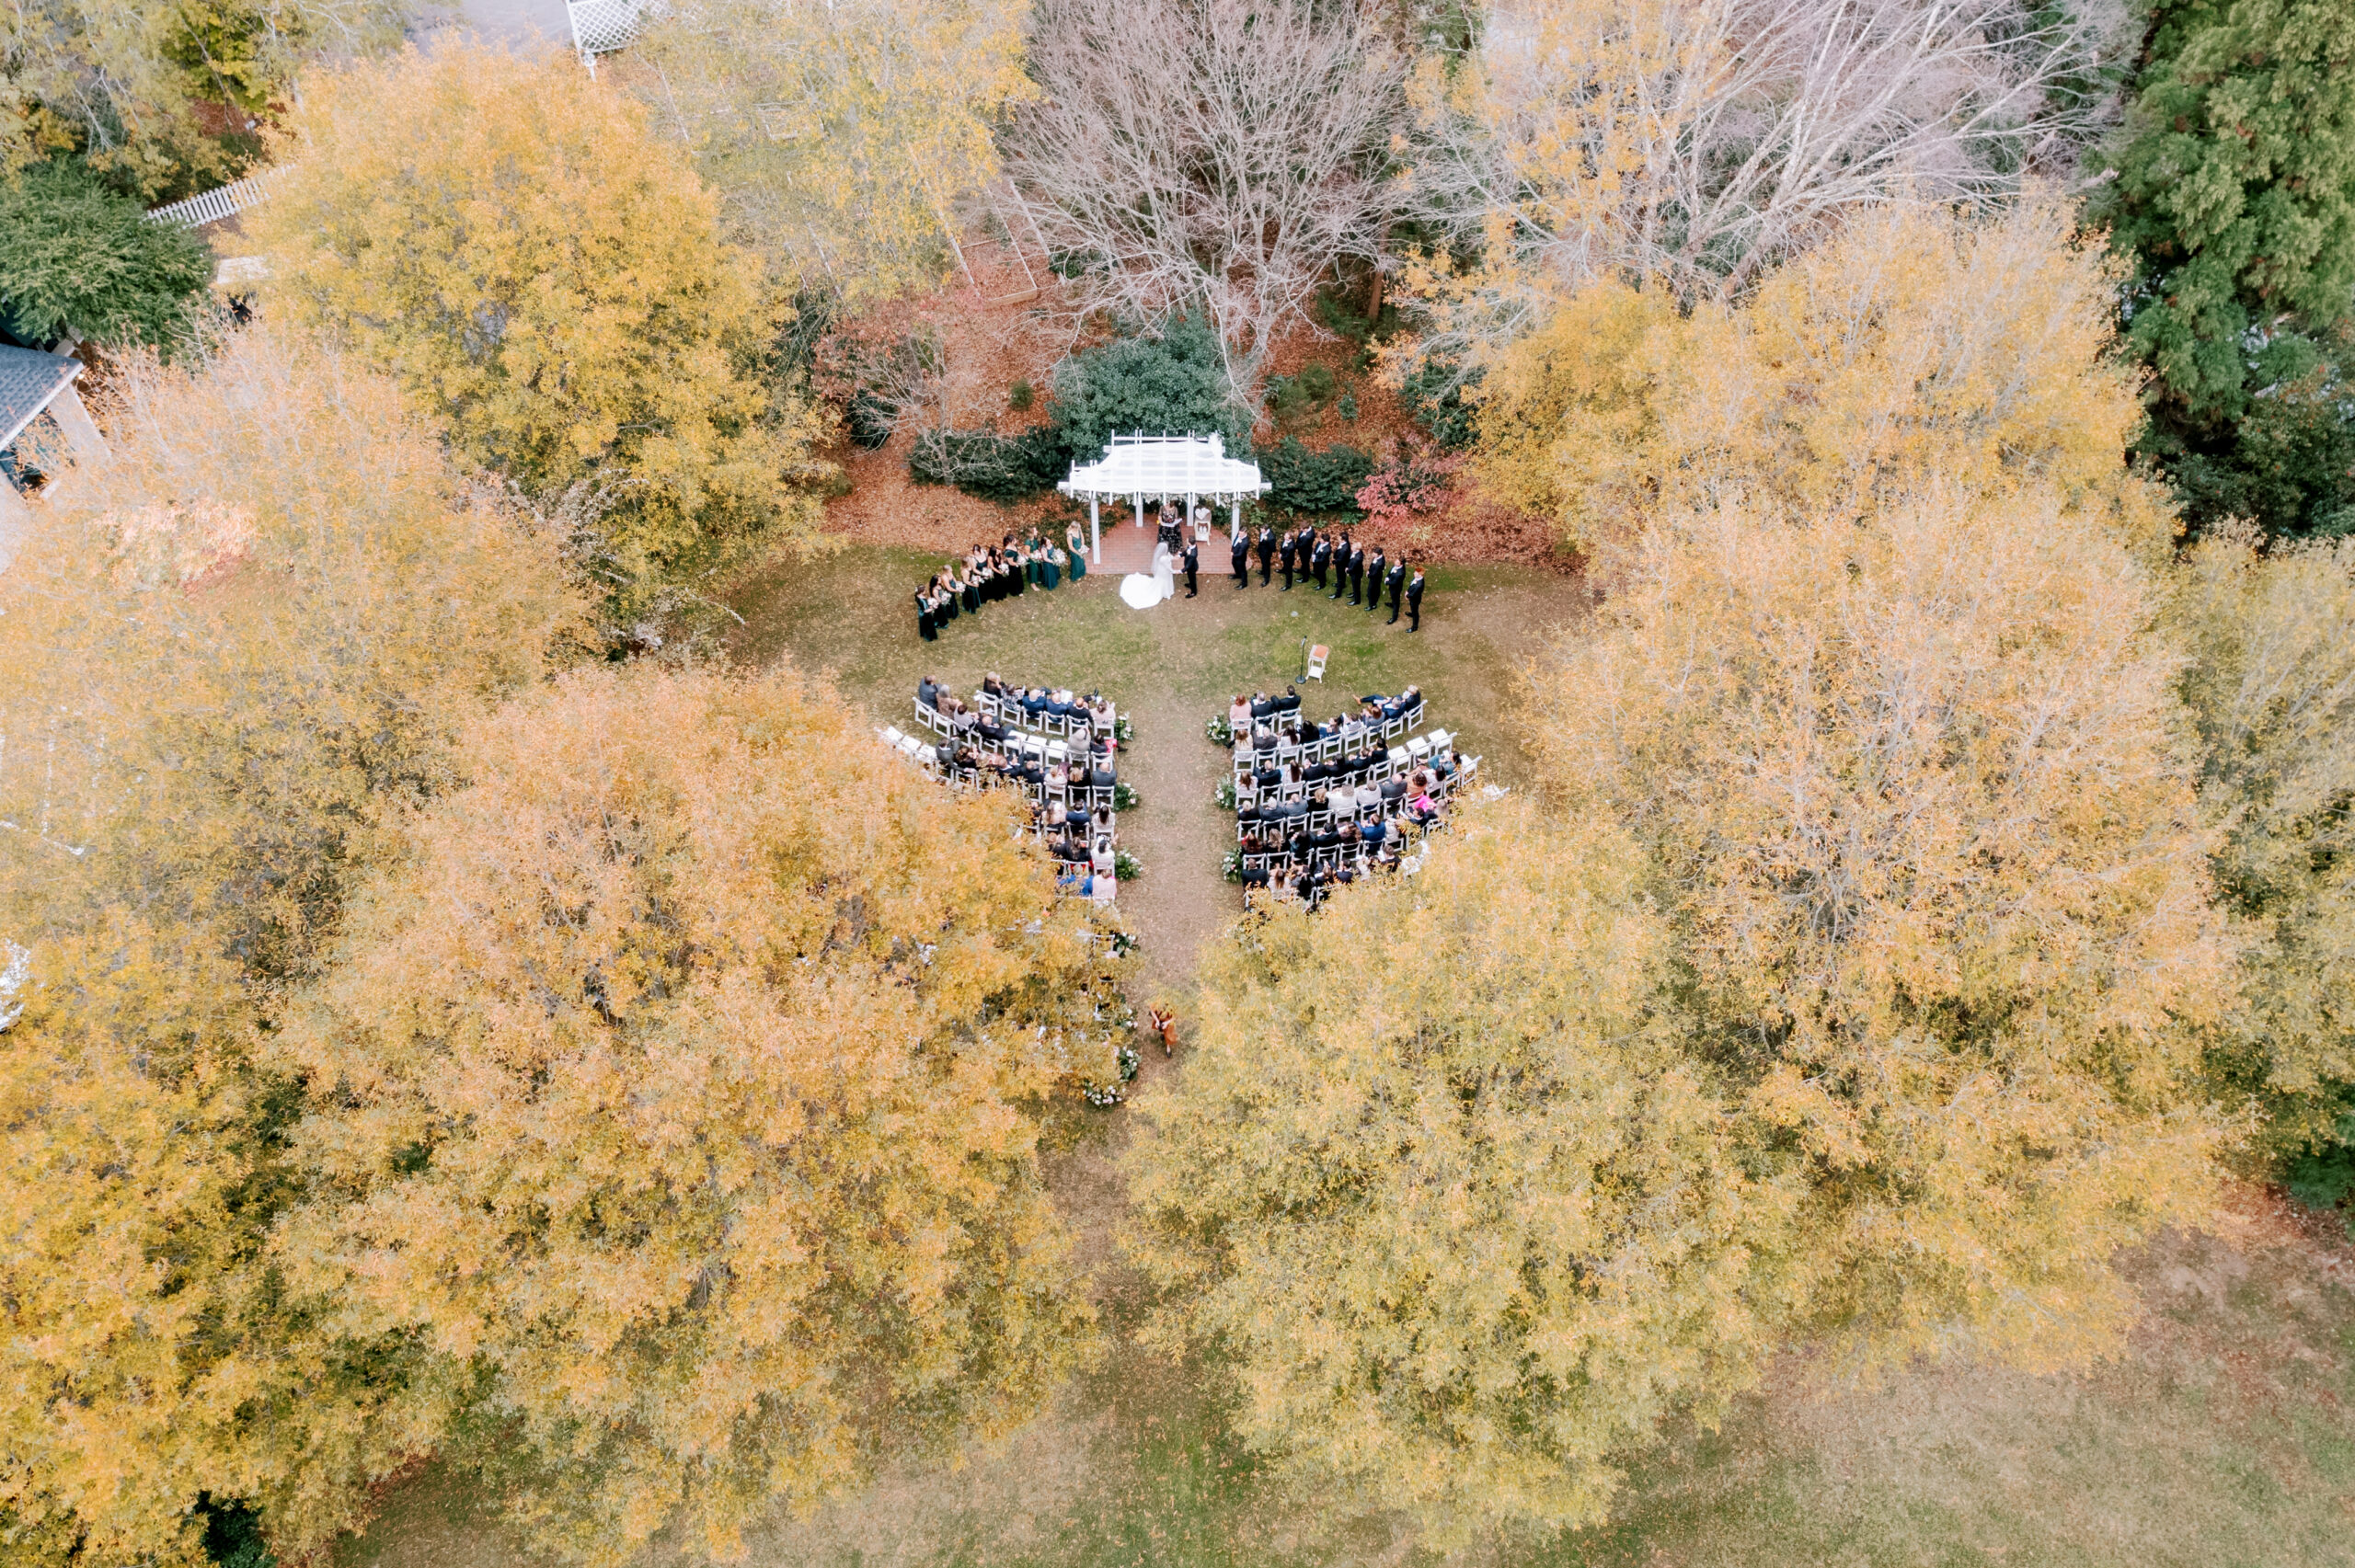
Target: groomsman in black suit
[1357, 573]
[1241, 555]
[1322, 558]
[1267, 553]
[1341, 566]
[1290, 551]
[1397, 583]
[1193, 569]
[1415, 602]
[1374, 576]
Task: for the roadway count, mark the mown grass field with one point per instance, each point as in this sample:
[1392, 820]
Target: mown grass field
[2224, 1437]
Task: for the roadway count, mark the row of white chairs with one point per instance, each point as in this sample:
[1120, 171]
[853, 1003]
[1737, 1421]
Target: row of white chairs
[1007, 710]
[1329, 748]
[1043, 748]
[1421, 751]
[927, 754]
[1377, 810]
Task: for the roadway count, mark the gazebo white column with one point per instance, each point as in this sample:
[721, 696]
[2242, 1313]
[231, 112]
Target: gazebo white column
[1095, 530]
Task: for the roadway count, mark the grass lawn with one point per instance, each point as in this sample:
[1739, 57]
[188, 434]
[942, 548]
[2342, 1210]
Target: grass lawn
[2226, 1437]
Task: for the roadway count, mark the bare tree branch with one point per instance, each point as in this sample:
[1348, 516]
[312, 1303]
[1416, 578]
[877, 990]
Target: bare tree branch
[1213, 155]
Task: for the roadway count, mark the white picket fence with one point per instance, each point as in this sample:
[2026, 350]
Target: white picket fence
[222, 201]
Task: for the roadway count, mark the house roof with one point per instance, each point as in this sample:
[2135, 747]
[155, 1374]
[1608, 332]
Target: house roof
[1166, 465]
[29, 381]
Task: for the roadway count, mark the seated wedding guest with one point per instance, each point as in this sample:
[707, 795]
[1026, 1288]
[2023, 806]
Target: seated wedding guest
[1101, 714]
[1102, 776]
[1287, 702]
[991, 731]
[1101, 861]
[1263, 738]
[1261, 707]
[1392, 790]
[1254, 877]
[928, 694]
[1344, 799]
[1238, 717]
[1059, 703]
[993, 685]
[1348, 841]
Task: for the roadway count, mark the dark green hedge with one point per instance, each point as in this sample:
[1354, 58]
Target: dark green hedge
[1306, 481]
[1004, 469]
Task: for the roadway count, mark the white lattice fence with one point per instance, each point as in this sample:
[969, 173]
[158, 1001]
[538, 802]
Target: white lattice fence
[600, 26]
[222, 201]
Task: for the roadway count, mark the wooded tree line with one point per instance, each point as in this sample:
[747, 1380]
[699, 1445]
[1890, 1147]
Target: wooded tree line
[431, 1038]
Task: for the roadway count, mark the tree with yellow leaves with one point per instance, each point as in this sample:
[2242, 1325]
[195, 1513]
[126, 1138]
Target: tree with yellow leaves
[543, 269]
[232, 650]
[1443, 1182]
[1696, 144]
[1920, 346]
[1935, 876]
[844, 137]
[684, 1084]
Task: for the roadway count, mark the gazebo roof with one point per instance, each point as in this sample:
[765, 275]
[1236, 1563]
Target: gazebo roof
[29, 381]
[1166, 465]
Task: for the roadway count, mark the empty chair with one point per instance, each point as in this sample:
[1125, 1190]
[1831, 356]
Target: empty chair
[1316, 658]
[1419, 746]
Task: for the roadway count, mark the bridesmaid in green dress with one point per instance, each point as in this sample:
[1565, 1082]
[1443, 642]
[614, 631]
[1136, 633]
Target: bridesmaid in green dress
[1077, 544]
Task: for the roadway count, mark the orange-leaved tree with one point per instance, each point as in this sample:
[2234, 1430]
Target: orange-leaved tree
[684, 1084]
[544, 271]
[231, 649]
[1444, 1182]
[1912, 799]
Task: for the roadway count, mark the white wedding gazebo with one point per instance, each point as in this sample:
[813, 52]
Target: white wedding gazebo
[1166, 466]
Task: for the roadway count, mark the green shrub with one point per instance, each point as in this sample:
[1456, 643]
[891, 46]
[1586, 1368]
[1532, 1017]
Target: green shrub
[1004, 469]
[1020, 395]
[1348, 407]
[2324, 1177]
[1434, 398]
[869, 419]
[1307, 481]
[75, 256]
[1176, 383]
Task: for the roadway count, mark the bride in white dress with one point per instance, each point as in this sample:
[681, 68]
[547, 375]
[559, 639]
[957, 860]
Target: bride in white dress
[1141, 591]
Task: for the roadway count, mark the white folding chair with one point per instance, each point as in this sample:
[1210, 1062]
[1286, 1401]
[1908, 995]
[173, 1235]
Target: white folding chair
[1316, 658]
[892, 736]
[1419, 746]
